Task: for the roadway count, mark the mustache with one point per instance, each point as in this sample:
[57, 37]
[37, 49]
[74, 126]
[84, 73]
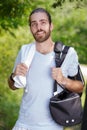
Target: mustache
[39, 31]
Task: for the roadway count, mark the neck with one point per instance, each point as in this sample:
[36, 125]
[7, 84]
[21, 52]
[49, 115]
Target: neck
[45, 47]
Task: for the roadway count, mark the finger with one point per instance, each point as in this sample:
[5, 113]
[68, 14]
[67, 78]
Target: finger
[21, 69]
[54, 75]
[24, 65]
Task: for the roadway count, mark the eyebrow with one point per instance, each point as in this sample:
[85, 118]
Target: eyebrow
[40, 20]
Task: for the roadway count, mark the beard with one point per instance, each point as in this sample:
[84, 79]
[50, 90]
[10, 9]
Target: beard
[41, 35]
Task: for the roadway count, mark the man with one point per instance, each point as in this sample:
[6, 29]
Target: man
[34, 111]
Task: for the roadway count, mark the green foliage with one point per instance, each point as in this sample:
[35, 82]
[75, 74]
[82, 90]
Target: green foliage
[13, 13]
[9, 100]
[60, 3]
[69, 27]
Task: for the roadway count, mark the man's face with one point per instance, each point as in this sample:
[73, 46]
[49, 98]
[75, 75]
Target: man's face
[40, 27]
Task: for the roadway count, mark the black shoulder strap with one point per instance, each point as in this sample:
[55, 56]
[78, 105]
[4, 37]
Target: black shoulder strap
[60, 54]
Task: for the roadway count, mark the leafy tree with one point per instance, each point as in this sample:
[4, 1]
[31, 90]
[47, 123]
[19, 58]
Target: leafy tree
[59, 3]
[13, 12]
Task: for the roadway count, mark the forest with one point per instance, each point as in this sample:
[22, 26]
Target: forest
[69, 18]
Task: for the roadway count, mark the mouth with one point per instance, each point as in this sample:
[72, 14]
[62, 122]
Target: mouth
[40, 33]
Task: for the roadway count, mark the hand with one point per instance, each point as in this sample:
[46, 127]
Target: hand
[21, 69]
[71, 85]
[57, 75]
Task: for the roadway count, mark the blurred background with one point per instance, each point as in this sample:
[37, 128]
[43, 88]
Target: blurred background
[70, 26]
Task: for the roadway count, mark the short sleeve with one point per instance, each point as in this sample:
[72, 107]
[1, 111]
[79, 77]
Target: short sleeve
[71, 62]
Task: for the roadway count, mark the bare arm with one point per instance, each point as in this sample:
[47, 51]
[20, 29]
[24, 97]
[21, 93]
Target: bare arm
[72, 85]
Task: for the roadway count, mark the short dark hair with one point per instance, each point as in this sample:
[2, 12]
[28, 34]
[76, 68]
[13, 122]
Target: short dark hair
[40, 10]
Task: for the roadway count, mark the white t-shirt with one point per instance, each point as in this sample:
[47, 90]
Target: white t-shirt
[34, 110]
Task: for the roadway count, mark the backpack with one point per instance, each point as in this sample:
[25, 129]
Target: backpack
[65, 107]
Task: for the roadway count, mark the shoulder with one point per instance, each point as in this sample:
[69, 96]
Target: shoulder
[72, 50]
[71, 62]
[71, 58]
[72, 53]
[26, 46]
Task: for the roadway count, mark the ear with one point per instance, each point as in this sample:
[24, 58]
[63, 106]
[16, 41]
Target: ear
[51, 26]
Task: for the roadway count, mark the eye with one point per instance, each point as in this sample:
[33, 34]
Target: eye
[33, 25]
[43, 23]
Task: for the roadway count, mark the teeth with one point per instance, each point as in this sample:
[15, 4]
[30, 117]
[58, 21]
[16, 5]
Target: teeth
[39, 33]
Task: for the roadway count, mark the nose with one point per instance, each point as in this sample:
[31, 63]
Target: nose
[38, 26]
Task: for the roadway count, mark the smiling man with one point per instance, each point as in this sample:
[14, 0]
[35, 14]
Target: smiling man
[34, 110]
